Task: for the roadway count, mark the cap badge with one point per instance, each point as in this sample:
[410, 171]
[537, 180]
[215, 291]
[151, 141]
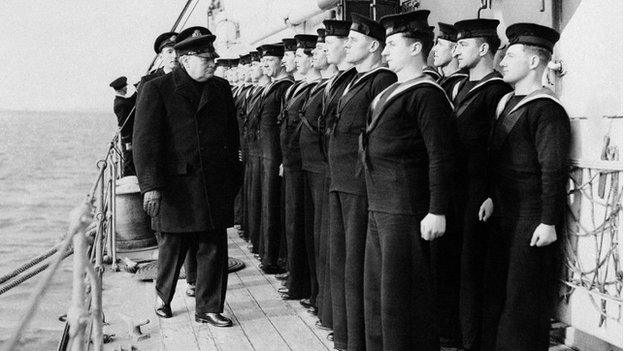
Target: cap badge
[196, 33]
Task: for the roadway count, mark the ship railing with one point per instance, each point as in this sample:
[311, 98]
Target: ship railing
[91, 239]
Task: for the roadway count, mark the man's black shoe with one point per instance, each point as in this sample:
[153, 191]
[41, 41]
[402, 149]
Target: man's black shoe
[257, 256]
[162, 309]
[288, 296]
[319, 325]
[306, 303]
[216, 319]
[283, 290]
[330, 336]
[282, 276]
[190, 290]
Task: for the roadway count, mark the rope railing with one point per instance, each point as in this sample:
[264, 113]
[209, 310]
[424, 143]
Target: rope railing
[592, 241]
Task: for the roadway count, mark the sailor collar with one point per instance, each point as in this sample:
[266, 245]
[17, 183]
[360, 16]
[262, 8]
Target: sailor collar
[405, 86]
[543, 93]
[490, 77]
[333, 80]
[273, 84]
[367, 74]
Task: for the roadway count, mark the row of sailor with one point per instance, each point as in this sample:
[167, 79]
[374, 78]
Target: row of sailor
[419, 206]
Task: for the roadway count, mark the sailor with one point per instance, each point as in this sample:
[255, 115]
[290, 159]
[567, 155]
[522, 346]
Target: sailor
[253, 167]
[314, 166]
[123, 106]
[268, 138]
[348, 205]
[163, 46]
[288, 60]
[221, 68]
[528, 151]
[444, 60]
[239, 102]
[336, 37]
[183, 120]
[233, 75]
[408, 157]
[295, 229]
[446, 251]
[475, 101]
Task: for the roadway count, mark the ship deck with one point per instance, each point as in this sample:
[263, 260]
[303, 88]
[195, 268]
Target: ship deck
[262, 320]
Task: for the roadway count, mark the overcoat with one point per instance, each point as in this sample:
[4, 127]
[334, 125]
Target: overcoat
[122, 106]
[186, 145]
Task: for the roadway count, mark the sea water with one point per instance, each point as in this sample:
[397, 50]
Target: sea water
[47, 167]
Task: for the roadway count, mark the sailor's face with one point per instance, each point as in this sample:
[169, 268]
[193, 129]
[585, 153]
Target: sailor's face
[242, 70]
[335, 48]
[272, 65]
[358, 47]
[398, 52]
[319, 56]
[168, 56]
[256, 70]
[467, 52]
[443, 52]
[199, 68]
[303, 61]
[288, 61]
[516, 64]
[219, 71]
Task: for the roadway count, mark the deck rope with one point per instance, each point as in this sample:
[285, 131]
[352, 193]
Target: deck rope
[29, 275]
[21, 269]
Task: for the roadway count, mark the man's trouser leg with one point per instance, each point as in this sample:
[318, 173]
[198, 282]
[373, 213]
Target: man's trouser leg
[212, 271]
[337, 255]
[398, 286]
[294, 224]
[355, 219]
[520, 287]
[325, 312]
[271, 211]
[172, 250]
[254, 203]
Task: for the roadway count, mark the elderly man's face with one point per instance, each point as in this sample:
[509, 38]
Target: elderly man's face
[199, 68]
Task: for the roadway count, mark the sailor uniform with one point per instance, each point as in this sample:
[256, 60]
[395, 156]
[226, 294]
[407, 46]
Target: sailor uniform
[123, 106]
[253, 170]
[449, 82]
[239, 203]
[331, 95]
[528, 150]
[268, 140]
[475, 105]
[408, 159]
[314, 167]
[348, 206]
[294, 191]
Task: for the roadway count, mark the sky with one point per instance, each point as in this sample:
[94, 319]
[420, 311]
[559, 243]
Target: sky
[61, 54]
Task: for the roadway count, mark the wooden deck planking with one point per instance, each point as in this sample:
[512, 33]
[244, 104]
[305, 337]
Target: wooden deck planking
[302, 335]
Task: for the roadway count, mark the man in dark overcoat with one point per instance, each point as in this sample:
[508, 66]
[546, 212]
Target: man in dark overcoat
[528, 153]
[348, 206]
[475, 101]
[186, 145]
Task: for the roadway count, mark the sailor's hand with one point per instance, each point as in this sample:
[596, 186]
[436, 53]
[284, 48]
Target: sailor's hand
[432, 226]
[486, 210]
[281, 170]
[128, 146]
[544, 235]
[151, 202]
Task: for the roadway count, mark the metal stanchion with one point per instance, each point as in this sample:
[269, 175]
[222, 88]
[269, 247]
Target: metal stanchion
[112, 220]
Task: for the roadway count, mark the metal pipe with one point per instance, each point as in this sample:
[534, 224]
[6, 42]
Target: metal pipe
[113, 216]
